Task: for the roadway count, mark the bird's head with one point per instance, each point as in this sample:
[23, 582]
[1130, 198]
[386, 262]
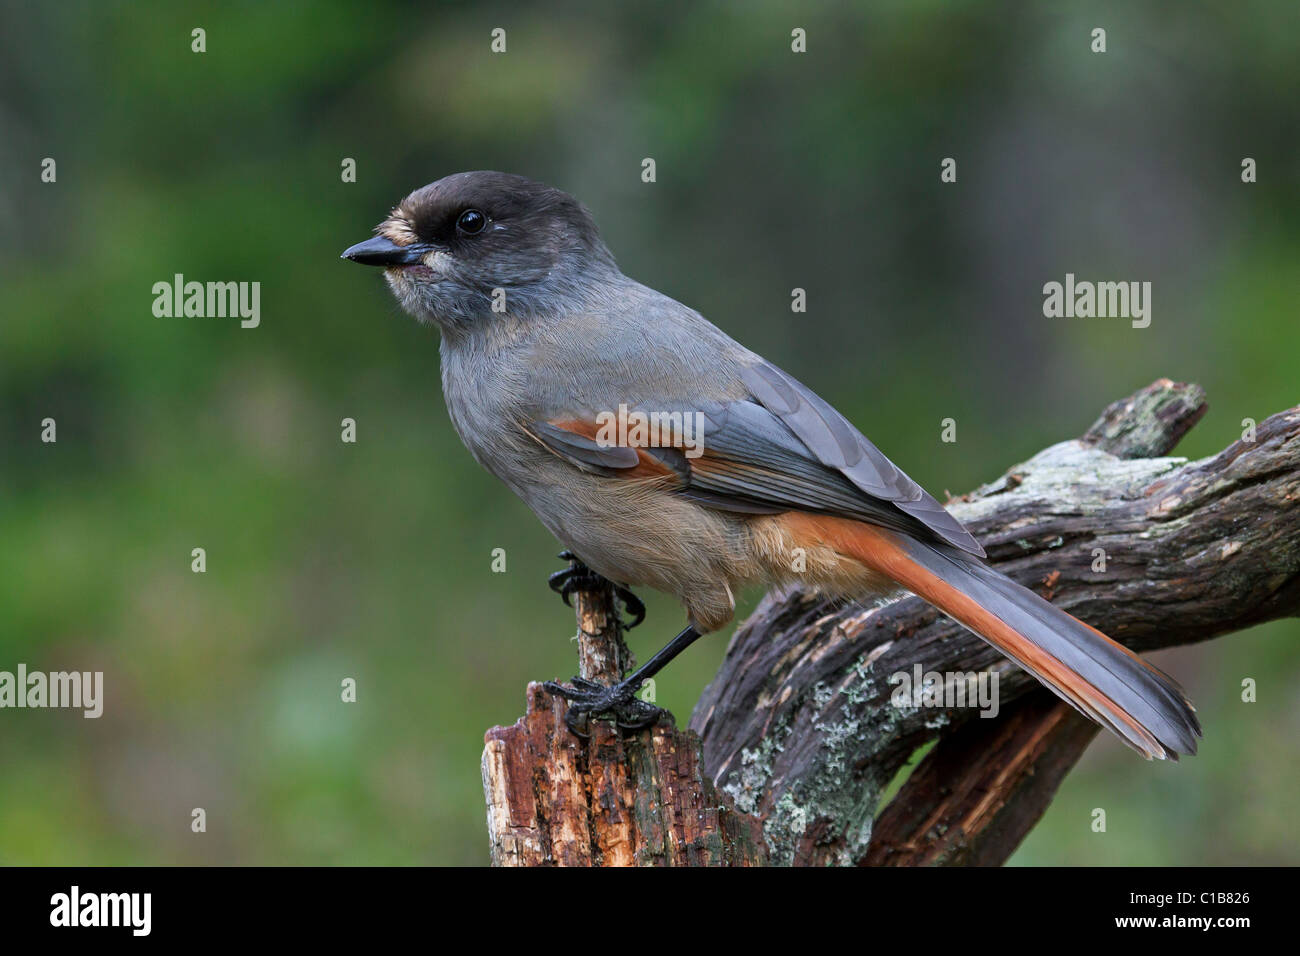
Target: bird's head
[475, 246]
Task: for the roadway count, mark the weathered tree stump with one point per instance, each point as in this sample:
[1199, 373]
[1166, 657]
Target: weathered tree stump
[797, 733]
[614, 800]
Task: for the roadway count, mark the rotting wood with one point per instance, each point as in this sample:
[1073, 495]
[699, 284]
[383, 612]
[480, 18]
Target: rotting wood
[798, 737]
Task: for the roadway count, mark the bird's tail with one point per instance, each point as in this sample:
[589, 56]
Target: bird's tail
[1102, 679]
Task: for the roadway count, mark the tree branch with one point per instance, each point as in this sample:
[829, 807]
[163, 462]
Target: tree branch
[614, 800]
[798, 725]
[799, 734]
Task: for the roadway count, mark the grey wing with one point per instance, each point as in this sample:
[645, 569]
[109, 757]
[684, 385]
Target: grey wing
[835, 443]
[784, 450]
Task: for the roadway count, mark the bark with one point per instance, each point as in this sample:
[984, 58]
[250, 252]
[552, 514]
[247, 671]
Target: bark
[798, 734]
[614, 800]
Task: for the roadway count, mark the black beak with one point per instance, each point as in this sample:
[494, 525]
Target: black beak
[384, 252]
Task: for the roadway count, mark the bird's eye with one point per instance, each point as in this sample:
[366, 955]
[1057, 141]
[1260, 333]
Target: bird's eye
[471, 222]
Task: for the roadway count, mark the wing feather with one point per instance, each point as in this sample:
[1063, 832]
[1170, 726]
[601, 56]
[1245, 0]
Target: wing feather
[835, 443]
[787, 449]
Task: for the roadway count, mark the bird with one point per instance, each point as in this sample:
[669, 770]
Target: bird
[553, 361]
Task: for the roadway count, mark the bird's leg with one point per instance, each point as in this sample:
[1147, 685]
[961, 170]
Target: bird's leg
[588, 700]
[578, 577]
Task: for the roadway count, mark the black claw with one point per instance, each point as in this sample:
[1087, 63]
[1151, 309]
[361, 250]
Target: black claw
[632, 604]
[571, 721]
[579, 577]
[589, 700]
[557, 582]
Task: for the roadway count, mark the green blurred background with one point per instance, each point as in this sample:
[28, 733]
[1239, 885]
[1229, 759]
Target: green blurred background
[775, 170]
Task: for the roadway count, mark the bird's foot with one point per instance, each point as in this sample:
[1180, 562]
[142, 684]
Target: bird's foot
[589, 700]
[578, 577]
